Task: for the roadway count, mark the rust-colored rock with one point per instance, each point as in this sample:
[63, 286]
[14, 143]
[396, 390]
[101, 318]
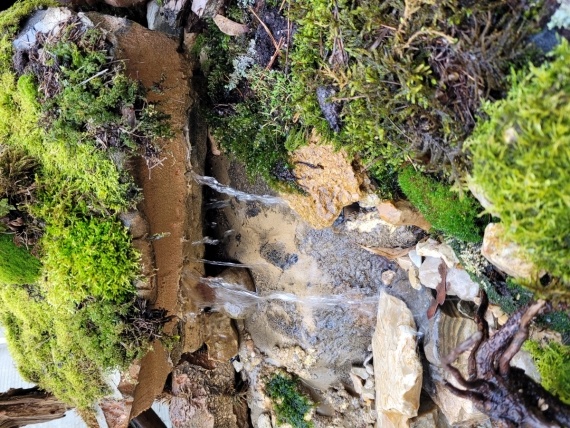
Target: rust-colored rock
[172, 203]
[330, 180]
[506, 255]
[402, 213]
[203, 398]
[116, 411]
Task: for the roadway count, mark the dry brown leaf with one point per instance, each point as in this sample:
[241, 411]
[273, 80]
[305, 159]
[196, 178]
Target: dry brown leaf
[441, 291]
[389, 253]
[229, 27]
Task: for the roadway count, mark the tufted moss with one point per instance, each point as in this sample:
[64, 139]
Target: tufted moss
[65, 314]
[521, 157]
[447, 211]
[17, 265]
[291, 406]
[553, 363]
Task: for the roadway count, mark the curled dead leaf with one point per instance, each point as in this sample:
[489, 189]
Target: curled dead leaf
[229, 27]
[389, 253]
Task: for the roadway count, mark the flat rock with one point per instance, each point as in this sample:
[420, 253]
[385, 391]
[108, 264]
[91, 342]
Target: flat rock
[43, 21]
[506, 255]
[459, 283]
[402, 213]
[330, 181]
[433, 248]
[397, 367]
[444, 334]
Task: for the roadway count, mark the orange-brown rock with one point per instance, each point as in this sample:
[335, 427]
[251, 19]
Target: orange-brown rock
[402, 213]
[172, 202]
[330, 181]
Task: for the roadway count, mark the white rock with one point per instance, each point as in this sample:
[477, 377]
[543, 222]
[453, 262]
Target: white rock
[523, 360]
[44, 21]
[429, 272]
[406, 263]
[156, 19]
[368, 394]
[357, 383]
[388, 277]
[459, 283]
[238, 365]
[458, 411]
[397, 367]
[415, 258]
[369, 384]
[264, 421]
[360, 372]
[433, 248]
[506, 255]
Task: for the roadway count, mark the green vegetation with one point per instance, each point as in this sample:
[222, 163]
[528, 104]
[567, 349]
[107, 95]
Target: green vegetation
[291, 406]
[521, 158]
[17, 265]
[405, 80]
[69, 122]
[446, 210]
[553, 363]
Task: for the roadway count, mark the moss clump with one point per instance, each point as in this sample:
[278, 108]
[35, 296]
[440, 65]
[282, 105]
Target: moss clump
[64, 349]
[446, 210]
[521, 158]
[291, 406]
[553, 364]
[399, 70]
[17, 265]
[405, 79]
[71, 120]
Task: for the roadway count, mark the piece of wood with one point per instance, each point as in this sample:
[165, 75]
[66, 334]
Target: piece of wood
[25, 406]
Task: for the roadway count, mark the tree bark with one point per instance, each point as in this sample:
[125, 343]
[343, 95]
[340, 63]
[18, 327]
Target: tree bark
[20, 407]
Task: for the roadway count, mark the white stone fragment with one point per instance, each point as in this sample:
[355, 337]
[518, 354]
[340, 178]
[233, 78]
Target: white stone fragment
[397, 367]
[433, 248]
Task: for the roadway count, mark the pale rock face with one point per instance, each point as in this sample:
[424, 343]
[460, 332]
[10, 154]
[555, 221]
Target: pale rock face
[43, 21]
[406, 263]
[506, 255]
[433, 248]
[445, 333]
[397, 367]
[264, 421]
[458, 411]
[402, 213]
[459, 283]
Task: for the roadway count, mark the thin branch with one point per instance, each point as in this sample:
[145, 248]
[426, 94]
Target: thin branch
[102, 72]
[265, 27]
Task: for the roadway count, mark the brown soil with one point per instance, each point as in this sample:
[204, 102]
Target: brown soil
[172, 204]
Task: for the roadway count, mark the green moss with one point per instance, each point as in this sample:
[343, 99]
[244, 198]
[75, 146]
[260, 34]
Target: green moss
[407, 77]
[397, 67]
[291, 406]
[88, 258]
[64, 351]
[66, 327]
[17, 265]
[446, 210]
[553, 364]
[521, 158]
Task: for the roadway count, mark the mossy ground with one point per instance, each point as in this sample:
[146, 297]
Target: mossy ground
[70, 121]
[291, 406]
